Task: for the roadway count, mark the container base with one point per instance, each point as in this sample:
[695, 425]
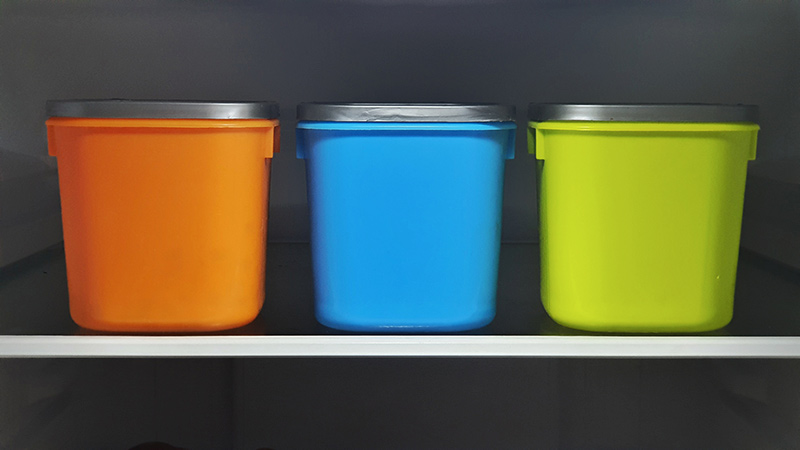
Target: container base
[149, 327]
[403, 329]
[600, 326]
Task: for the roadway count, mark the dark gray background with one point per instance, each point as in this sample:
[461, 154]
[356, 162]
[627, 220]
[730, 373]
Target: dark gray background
[421, 404]
[506, 51]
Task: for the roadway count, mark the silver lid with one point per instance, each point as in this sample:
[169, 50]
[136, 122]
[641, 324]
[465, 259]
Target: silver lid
[405, 112]
[161, 109]
[540, 112]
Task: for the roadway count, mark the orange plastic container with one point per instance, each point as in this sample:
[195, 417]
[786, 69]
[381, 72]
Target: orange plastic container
[164, 206]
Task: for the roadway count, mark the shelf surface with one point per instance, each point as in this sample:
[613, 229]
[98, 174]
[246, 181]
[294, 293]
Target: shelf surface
[35, 322]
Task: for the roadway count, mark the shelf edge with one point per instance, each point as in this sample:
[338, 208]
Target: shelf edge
[398, 346]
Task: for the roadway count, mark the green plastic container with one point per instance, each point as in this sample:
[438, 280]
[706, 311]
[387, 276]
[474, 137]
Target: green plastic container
[640, 213]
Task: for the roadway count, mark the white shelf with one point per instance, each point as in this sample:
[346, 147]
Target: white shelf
[399, 346]
[34, 321]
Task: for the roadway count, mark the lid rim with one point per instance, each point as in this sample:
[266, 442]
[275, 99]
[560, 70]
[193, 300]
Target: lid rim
[643, 112]
[160, 109]
[406, 112]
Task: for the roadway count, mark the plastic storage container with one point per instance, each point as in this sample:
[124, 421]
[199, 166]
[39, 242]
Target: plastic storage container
[405, 203]
[640, 213]
[164, 208]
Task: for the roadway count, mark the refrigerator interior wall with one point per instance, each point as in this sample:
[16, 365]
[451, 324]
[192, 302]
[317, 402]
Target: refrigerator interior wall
[390, 403]
[508, 51]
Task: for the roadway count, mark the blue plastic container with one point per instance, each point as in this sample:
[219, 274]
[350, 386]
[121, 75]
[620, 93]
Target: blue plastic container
[405, 203]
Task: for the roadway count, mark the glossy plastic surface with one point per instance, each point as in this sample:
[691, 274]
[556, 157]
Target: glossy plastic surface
[405, 222]
[164, 220]
[640, 222]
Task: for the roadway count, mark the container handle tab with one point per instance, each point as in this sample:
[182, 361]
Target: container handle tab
[535, 142]
[300, 144]
[751, 151]
[276, 141]
[510, 144]
[51, 141]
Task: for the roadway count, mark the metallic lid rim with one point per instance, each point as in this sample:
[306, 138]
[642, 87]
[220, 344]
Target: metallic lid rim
[406, 112]
[161, 109]
[656, 112]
